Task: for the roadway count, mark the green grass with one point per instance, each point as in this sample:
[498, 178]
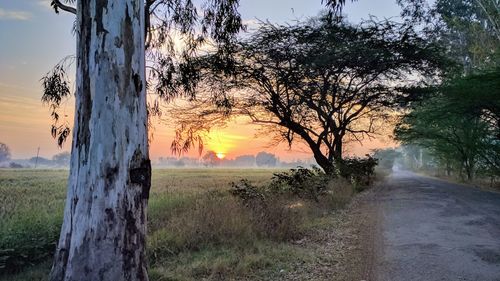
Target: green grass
[260, 261]
[31, 206]
[197, 230]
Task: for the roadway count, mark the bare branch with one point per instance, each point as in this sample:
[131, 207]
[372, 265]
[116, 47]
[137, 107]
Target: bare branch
[58, 5]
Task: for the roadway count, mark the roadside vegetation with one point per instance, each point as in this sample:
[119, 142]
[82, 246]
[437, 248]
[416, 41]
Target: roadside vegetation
[214, 224]
[453, 129]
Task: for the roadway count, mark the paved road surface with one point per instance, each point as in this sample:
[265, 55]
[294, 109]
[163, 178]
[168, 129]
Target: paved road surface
[434, 230]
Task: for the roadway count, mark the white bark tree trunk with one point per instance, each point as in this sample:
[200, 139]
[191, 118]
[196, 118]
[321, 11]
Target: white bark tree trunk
[104, 229]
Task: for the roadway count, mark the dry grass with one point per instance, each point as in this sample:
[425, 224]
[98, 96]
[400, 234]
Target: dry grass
[197, 229]
[217, 236]
[206, 221]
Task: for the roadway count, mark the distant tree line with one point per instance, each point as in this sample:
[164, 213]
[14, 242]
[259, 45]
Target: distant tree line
[209, 159]
[59, 160]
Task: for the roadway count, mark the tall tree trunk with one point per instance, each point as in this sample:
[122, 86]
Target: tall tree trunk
[104, 229]
[325, 164]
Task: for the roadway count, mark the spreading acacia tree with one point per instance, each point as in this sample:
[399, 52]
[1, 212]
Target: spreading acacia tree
[104, 226]
[320, 82]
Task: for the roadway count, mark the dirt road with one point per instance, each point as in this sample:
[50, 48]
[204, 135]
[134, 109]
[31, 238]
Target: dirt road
[434, 230]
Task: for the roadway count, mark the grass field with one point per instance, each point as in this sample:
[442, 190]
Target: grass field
[197, 230]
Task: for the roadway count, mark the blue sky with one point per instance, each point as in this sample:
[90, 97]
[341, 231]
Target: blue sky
[33, 38]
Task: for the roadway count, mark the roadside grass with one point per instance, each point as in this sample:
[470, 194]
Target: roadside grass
[481, 181]
[259, 261]
[197, 229]
[38, 272]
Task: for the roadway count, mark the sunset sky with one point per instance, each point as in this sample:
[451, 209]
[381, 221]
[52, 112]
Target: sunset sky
[33, 39]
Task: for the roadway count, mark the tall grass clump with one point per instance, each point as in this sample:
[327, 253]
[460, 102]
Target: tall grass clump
[28, 239]
[218, 219]
[31, 206]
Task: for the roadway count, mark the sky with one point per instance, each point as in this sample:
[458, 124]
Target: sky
[33, 39]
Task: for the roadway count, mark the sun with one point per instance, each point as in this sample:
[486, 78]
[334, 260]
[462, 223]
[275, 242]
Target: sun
[220, 155]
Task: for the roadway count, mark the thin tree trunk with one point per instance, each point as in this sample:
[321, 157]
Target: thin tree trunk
[104, 228]
[337, 148]
[469, 169]
[468, 172]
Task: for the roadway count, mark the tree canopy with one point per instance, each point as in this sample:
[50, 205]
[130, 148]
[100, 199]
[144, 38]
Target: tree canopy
[470, 28]
[459, 124]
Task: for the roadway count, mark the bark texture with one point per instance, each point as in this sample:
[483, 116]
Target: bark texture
[104, 228]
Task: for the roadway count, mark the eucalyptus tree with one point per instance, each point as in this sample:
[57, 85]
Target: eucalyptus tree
[104, 226]
[470, 28]
[320, 83]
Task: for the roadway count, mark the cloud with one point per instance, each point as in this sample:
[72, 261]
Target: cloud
[14, 15]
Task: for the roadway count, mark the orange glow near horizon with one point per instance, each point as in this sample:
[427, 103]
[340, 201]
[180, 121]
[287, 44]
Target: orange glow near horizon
[25, 126]
[229, 141]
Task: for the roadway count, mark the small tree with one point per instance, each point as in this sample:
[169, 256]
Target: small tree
[4, 152]
[210, 159]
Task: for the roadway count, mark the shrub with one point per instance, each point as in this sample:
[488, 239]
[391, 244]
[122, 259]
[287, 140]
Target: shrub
[246, 191]
[14, 165]
[302, 182]
[359, 171]
[339, 194]
[216, 219]
[271, 216]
